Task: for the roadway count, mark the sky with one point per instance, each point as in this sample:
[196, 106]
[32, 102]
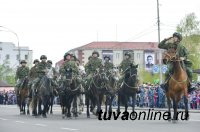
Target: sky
[52, 27]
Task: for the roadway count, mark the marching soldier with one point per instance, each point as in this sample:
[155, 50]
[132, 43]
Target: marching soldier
[21, 74]
[175, 43]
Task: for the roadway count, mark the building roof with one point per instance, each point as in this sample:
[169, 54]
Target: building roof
[120, 46]
[4, 84]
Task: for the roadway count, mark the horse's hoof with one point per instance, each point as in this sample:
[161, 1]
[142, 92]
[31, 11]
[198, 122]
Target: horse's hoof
[44, 115]
[88, 116]
[186, 117]
[174, 121]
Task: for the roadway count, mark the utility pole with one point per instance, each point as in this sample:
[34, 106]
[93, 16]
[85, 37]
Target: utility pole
[160, 52]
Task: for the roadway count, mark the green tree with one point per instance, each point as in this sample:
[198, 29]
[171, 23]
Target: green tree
[146, 76]
[7, 73]
[190, 29]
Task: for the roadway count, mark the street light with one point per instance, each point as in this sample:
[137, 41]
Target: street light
[11, 31]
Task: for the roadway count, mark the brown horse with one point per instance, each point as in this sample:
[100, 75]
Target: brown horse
[178, 84]
[23, 95]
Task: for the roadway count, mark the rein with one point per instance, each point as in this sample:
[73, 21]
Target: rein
[177, 60]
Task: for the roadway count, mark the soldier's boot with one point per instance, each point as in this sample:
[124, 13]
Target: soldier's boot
[165, 85]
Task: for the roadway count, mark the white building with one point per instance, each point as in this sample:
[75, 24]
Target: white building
[10, 53]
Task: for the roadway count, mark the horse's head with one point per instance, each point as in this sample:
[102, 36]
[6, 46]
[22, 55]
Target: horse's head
[101, 73]
[68, 73]
[131, 71]
[68, 76]
[170, 55]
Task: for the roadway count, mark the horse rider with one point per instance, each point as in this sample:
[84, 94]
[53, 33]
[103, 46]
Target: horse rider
[41, 70]
[21, 74]
[108, 65]
[124, 65]
[93, 65]
[52, 74]
[174, 42]
[32, 75]
[68, 63]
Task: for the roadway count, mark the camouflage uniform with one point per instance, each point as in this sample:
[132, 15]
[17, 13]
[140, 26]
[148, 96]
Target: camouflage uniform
[21, 74]
[93, 64]
[32, 75]
[68, 64]
[182, 52]
[108, 66]
[41, 70]
[124, 65]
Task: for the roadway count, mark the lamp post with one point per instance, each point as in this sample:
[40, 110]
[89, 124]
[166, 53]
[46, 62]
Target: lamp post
[11, 31]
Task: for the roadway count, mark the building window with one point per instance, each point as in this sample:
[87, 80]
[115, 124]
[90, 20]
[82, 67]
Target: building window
[17, 57]
[26, 57]
[117, 55]
[7, 57]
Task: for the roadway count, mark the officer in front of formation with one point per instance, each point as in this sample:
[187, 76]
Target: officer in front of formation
[175, 43]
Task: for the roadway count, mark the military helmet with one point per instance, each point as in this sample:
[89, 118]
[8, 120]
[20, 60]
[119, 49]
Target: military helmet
[43, 57]
[106, 57]
[36, 60]
[23, 61]
[95, 52]
[66, 54]
[127, 54]
[178, 35]
[49, 61]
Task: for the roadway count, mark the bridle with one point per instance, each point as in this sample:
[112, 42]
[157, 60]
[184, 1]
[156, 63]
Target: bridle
[131, 75]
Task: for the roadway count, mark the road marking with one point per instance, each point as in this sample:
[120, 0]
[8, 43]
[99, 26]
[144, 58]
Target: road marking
[9, 106]
[3, 119]
[70, 129]
[19, 121]
[42, 125]
[193, 120]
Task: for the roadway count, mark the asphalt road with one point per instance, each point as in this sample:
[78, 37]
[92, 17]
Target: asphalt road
[12, 121]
